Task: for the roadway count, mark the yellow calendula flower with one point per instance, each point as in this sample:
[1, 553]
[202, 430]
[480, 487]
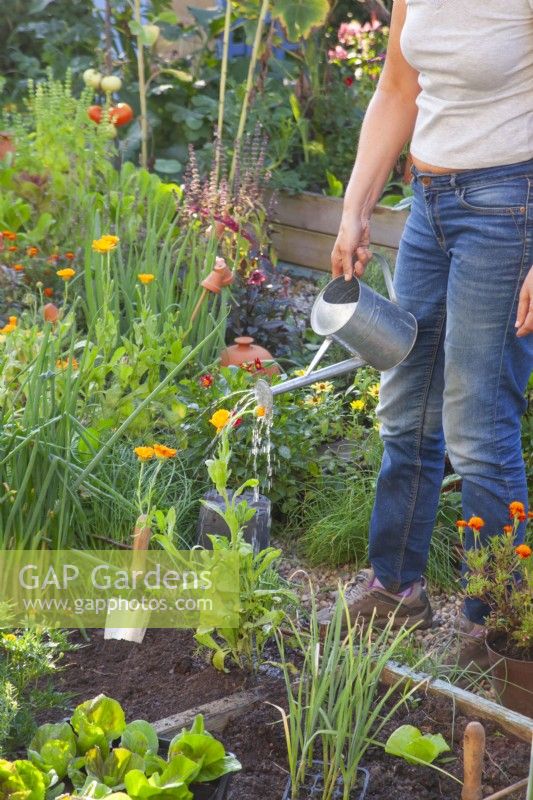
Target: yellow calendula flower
[146, 277]
[66, 274]
[299, 373]
[322, 386]
[9, 637]
[260, 411]
[358, 405]
[10, 326]
[144, 453]
[105, 243]
[220, 418]
[373, 390]
[162, 451]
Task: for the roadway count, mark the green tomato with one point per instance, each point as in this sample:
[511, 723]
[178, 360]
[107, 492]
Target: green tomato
[110, 84]
[92, 78]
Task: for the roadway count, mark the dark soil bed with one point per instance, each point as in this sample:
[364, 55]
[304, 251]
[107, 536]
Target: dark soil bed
[166, 675]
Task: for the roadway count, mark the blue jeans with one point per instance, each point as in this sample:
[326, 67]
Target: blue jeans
[465, 251]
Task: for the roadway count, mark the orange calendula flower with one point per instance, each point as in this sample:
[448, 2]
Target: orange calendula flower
[9, 235]
[64, 363]
[162, 451]
[260, 411]
[18, 267]
[508, 529]
[66, 274]
[48, 292]
[9, 328]
[220, 418]
[32, 251]
[523, 551]
[13, 248]
[516, 508]
[144, 453]
[476, 523]
[70, 256]
[146, 277]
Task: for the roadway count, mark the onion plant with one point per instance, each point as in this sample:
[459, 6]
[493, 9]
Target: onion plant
[335, 708]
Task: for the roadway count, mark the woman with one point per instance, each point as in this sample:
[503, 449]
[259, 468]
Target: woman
[459, 85]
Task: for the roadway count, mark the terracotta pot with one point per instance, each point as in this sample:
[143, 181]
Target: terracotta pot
[245, 351]
[50, 313]
[219, 277]
[512, 678]
[6, 144]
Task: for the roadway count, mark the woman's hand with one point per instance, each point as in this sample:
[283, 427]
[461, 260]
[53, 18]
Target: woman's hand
[524, 317]
[351, 252]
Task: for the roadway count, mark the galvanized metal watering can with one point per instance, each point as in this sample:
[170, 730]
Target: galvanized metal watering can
[375, 330]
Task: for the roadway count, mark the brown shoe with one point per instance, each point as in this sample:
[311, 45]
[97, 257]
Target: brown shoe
[471, 650]
[363, 600]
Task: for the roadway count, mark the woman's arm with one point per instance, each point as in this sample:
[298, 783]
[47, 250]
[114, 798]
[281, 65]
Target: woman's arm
[388, 125]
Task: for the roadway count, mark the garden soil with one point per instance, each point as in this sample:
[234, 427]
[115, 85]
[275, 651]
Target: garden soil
[166, 674]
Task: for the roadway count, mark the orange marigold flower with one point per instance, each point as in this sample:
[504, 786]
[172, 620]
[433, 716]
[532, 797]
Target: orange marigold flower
[508, 529]
[66, 274]
[70, 256]
[521, 516]
[523, 551]
[48, 292]
[18, 267]
[144, 453]
[146, 277]
[162, 451]
[32, 251]
[516, 508]
[530, 514]
[461, 523]
[476, 523]
[53, 259]
[10, 235]
[13, 248]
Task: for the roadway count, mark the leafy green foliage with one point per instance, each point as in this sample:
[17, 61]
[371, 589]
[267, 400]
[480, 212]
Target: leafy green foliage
[194, 756]
[300, 16]
[200, 746]
[409, 743]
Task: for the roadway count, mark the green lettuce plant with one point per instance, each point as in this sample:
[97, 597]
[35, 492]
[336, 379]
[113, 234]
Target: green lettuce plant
[208, 753]
[97, 722]
[413, 746]
[21, 780]
[52, 748]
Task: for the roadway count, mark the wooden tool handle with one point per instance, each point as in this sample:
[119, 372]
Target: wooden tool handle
[474, 752]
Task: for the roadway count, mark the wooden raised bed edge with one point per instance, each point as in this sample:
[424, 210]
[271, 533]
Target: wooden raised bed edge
[306, 225]
[219, 712]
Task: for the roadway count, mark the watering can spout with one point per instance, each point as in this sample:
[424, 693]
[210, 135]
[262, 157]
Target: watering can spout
[373, 329]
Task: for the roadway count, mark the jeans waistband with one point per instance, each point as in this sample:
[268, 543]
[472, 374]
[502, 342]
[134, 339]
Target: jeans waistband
[468, 177]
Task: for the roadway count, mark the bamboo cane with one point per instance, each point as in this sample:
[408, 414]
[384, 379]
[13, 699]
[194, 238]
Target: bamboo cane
[249, 85]
[142, 87]
[222, 91]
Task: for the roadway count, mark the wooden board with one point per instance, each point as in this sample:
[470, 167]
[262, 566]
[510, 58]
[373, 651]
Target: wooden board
[305, 227]
[217, 713]
[470, 704]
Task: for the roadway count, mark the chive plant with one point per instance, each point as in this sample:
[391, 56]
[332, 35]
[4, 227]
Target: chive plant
[336, 707]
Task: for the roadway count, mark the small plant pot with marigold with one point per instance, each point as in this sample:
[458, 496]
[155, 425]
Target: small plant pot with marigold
[500, 574]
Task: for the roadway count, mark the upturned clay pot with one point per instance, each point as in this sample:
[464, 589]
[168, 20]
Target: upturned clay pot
[50, 313]
[219, 277]
[6, 144]
[245, 351]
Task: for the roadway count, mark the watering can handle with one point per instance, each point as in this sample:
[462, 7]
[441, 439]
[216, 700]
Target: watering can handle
[387, 275]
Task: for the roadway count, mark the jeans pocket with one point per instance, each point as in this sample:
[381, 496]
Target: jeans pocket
[501, 197]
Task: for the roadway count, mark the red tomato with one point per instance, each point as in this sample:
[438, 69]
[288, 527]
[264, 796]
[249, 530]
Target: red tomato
[122, 114]
[95, 113]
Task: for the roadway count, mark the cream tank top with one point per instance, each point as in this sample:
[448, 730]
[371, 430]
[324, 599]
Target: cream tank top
[475, 64]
